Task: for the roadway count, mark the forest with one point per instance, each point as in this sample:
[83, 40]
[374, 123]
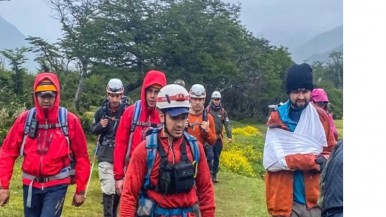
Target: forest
[198, 41]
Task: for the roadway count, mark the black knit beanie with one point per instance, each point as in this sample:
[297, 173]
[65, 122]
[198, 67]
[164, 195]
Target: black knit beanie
[299, 76]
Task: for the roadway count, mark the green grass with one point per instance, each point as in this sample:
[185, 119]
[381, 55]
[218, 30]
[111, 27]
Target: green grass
[339, 127]
[240, 196]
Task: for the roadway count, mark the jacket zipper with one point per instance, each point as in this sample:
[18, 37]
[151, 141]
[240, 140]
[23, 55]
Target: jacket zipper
[41, 154]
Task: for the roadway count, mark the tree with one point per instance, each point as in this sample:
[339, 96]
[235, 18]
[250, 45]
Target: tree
[336, 67]
[76, 18]
[16, 58]
[125, 42]
[49, 56]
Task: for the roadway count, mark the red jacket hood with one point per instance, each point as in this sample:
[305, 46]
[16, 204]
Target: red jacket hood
[52, 113]
[152, 77]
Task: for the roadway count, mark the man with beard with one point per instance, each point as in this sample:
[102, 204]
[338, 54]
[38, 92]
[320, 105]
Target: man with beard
[105, 125]
[298, 144]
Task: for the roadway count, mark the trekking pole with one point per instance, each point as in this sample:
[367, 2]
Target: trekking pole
[92, 167]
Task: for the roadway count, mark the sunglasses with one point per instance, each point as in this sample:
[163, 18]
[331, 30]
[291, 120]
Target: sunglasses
[216, 99]
[114, 89]
[46, 95]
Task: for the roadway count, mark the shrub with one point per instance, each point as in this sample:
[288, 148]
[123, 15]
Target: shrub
[7, 117]
[246, 131]
[86, 119]
[235, 161]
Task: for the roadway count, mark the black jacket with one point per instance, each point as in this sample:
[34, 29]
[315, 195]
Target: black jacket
[332, 183]
[106, 135]
[221, 119]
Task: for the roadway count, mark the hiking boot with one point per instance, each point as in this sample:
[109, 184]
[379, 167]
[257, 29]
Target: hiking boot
[214, 178]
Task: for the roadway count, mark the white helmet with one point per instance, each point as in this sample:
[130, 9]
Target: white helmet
[216, 94]
[173, 99]
[115, 86]
[197, 91]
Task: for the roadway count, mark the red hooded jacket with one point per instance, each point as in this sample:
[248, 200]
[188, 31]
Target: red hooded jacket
[135, 177]
[55, 158]
[123, 130]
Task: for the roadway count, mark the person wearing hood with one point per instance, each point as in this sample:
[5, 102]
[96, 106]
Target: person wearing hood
[221, 119]
[319, 98]
[297, 145]
[127, 139]
[49, 151]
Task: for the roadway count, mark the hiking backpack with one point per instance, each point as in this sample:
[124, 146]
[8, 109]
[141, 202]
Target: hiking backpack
[134, 123]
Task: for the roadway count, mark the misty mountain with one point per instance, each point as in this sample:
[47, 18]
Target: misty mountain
[323, 57]
[319, 47]
[11, 38]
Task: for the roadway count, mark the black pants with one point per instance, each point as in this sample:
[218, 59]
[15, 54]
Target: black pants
[209, 156]
[217, 148]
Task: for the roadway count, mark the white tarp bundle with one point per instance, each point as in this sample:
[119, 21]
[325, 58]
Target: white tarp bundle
[308, 137]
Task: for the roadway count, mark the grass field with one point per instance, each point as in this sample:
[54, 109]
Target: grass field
[236, 195]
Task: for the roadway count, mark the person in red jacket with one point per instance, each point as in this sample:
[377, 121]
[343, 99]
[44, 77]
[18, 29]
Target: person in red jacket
[297, 146]
[127, 139]
[48, 153]
[178, 196]
[319, 98]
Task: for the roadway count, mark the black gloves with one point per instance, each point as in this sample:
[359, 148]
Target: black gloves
[321, 161]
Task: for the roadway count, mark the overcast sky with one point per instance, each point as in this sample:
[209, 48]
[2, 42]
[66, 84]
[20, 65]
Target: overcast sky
[280, 21]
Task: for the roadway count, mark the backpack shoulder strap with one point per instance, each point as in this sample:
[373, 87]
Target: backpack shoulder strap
[27, 125]
[30, 116]
[105, 107]
[194, 147]
[136, 115]
[134, 122]
[222, 113]
[63, 122]
[208, 109]
[151, 151]
[204, 115]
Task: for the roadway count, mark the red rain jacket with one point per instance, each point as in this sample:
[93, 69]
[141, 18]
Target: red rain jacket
[56, 157]
[123, 130]
[135, 177]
